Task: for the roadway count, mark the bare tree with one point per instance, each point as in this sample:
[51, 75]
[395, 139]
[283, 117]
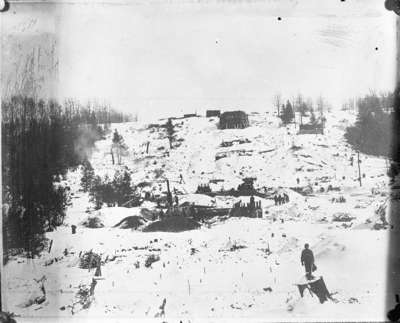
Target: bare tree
[309, 104]
[278, 101]
[298, 102]
[321, 105]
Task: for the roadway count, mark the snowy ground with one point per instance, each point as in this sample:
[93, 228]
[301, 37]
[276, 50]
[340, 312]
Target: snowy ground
[197, 274]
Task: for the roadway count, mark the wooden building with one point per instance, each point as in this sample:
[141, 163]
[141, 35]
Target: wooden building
[311, 129]
[233, 120]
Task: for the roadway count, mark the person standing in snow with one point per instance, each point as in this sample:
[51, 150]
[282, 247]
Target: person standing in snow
[252, 202]
[176, 200]
[307, 260]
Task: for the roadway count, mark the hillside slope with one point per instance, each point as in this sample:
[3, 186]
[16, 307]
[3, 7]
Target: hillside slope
[230, 268]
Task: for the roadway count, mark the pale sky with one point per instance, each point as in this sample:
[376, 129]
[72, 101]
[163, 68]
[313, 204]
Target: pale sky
[165, 59]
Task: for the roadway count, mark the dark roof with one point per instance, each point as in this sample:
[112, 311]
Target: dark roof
[234, 113]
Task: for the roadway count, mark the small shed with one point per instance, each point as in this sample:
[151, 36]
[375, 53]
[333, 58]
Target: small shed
[213, 113]
[233, 120]
[311, 129]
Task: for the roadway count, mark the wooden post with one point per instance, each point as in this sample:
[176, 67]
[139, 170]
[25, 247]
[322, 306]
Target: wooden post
[92, 286]
[147, 147]
[359, 169]
[112, 157]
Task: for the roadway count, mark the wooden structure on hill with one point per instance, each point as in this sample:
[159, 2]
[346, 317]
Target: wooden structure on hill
[317, 128]
[213, 113]
[251, 210]
[203, 189]
[244, 189]
[196, 212]
[233, 120]
[247, 187]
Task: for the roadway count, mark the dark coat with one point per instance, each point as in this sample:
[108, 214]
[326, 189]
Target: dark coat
[307, 257]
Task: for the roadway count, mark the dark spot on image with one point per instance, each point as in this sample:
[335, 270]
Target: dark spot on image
[393, 5]
[5, 6]
[279, 18]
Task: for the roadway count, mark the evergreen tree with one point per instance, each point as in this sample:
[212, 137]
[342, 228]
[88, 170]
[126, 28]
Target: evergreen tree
[122, 187]
[87, 176]
[118, 191]
[41, 141]
[170, 132]
[118, 147]
[371, 133]
[287, 113]
[97, 192]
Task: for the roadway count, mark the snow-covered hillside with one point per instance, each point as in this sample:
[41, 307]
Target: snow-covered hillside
[231, 268]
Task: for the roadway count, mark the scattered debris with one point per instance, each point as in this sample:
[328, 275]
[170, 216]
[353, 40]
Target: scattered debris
[151, 259]
[6, 317]
[38, 294]
[353, 300]
[342, 217]
[93, 222]
[161, 313]
[89, 260]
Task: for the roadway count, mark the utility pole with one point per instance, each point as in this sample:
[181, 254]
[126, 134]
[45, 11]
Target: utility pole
[359, 169]
[169, 195]
[112, 156]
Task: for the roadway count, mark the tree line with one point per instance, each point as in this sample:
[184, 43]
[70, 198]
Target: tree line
[372, 131]
[41, 140]
[117, 191]
[304, 106]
